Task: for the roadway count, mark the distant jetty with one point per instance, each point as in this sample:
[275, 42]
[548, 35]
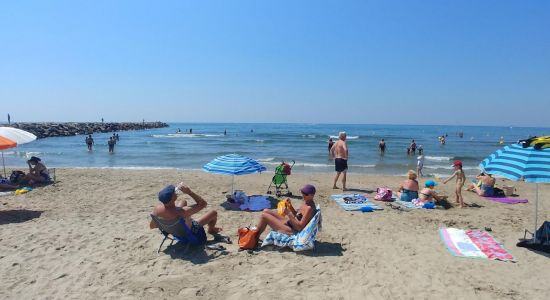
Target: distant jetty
[44, 130]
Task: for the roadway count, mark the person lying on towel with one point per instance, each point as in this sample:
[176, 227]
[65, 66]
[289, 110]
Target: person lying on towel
[290, 221]
[170, 211]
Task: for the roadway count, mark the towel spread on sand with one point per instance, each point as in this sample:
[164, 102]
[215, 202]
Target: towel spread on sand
[255, 203]
[506, 200]
[351, 202]
[473, 244]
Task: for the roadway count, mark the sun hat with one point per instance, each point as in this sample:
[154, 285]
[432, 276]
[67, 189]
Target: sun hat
[165, 195]
[308, 189]
[34, 158]
[430, 183]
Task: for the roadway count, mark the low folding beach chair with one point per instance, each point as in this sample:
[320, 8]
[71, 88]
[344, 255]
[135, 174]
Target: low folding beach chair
[301, 241]
[175, 231]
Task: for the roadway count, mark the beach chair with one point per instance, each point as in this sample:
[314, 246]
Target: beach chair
[280, 178]
[175, 231]
[301, 241]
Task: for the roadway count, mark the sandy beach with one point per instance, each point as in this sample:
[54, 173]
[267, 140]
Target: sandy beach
[87, 237]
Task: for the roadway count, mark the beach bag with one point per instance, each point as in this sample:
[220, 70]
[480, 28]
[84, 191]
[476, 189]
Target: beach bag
[16, 176]
[498, 192]
[383, 194]
[248, 238]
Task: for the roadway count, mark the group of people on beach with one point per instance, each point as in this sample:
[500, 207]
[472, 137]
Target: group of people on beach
[171, 211]
[409, 190]
[111, 142]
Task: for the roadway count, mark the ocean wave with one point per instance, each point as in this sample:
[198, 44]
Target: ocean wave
[438, 158]
[349, 137]
[263, 160]
[27, 154]
[185, 135]
[448, 167]
[311, 136]
[259, 141]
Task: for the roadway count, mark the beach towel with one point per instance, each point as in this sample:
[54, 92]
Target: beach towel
[301, 241]
[352, 202]
[506, 200]
[256, 203]
[473, 244]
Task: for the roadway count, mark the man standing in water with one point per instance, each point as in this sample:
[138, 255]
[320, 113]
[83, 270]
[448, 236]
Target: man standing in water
[382, 146]
[89, 142]
[340, 153]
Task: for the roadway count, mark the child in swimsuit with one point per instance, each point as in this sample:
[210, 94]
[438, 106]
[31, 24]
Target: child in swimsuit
[460, 180]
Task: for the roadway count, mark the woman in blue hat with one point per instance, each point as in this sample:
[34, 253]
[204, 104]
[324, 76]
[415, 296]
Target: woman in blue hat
[428, 193]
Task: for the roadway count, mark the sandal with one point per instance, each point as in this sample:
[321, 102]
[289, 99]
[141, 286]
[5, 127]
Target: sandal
[216, 247]
[222, 239]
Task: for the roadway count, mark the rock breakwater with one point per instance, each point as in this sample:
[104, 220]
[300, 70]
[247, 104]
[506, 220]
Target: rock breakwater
[44, 130]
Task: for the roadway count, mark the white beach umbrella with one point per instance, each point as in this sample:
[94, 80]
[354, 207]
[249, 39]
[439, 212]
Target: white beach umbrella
[12, 137]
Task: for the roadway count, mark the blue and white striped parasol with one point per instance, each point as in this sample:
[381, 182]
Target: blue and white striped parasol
[515, 162]
[521, 162]
[233, 164]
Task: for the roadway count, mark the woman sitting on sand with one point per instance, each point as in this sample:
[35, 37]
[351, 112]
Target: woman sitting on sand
[409, 189]
[290, 222]
[428, 194]
[38, 173]
[486, 186]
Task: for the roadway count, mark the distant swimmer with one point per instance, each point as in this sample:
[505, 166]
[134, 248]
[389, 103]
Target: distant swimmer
[117, 137]
[340, 153]
[114, 137]
[330, 144]
[225, 132]
[89, 142]
[191, 130]
[413, 147]
[111, 144]
[420, 149]
[501, 141]
[178, 131]
[382, 146]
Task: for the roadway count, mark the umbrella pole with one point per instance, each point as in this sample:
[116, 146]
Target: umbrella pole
[536, 213]
[3, 164]
[232, 185]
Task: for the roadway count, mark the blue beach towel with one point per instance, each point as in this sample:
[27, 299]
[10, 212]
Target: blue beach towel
[350, 202]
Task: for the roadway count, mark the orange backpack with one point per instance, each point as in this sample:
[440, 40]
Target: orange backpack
[248, 238]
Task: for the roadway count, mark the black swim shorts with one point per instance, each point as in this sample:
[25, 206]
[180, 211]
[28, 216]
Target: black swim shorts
[340, 164]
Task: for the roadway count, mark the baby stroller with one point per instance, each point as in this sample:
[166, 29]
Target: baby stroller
[279, 179]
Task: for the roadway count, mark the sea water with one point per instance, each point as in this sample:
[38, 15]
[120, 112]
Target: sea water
[270, 144]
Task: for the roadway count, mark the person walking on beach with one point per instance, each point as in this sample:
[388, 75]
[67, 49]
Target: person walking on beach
[382, 146]
[340, 153]
[111, 144]
[420, 165]
[89, 142]
[460, 180]
[168, 211]
[102, 121]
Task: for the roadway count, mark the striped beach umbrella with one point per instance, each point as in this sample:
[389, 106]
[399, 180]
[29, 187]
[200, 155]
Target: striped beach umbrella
[11, 137]
[233, 164]
[528, 160]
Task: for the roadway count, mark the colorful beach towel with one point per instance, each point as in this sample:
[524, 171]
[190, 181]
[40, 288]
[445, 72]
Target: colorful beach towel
[352, 202]
[255, 203]
[473, 244]
[506, 200]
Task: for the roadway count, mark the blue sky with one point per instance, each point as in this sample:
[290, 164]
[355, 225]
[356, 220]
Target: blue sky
[401, 62]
